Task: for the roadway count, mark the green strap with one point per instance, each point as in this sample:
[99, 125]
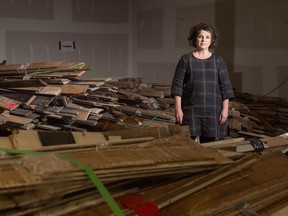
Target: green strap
[89, 171]
[277, 87]
[98, 184]
[146, 123]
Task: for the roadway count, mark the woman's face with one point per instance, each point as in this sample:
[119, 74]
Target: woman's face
[203, 40]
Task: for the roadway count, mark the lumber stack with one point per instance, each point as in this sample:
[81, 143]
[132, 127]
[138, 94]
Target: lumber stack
[53, 96]
[42, 172]
[254, 185]
[50, 182]
[56, 125]
[262, 115]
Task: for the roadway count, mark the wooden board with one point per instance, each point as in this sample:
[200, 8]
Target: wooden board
[8, 104]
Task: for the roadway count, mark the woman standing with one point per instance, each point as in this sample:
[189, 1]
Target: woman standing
[201, 87]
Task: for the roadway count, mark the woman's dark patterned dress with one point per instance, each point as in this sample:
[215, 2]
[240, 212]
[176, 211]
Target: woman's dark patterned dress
[202, 84]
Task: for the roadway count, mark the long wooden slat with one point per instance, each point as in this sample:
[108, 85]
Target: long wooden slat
[22, 83]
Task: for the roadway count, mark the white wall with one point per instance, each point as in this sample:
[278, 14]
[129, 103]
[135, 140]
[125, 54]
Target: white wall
[156, 57]
[122, 38]
[253, 39]
[102, 42]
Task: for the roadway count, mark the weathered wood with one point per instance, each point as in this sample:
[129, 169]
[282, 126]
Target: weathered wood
[150, 92]
[8, 104]
[22, 83]
[70, 89]
[147, 113]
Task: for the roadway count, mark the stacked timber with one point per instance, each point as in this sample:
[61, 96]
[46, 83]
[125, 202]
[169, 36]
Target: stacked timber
[262, 115]
[66, 151]
[254, 185]
[53, 96]
[167, 175]
[54, 179]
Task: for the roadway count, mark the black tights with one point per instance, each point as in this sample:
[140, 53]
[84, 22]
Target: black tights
[204, 139]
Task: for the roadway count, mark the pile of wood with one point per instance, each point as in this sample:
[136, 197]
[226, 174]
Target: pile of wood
[52, 96]
[254, 185]
[259, 115]
[47, 173]
[63, 135]
[51, 180]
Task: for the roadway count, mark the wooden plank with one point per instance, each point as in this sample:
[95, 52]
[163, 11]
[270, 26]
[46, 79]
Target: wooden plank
[204, 181]
[250, 134]
[15, 119]
[70, 89]
[129, 110]
[5, 143]
[36, 65]
[225, 143]
[6, 203]
[46, 90]
[22, 83]
[8, 104]
[29, 140]
[268, 142]
[48, 127]
[57, 81]
[49, 90]
[68, 74]
[82, 115]
[39, 100]
[150, 92]
[21, 112]
[281, 211]
[230, 192]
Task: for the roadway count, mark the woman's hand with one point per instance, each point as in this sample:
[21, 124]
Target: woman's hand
[179, 115]
[223, 116]
[178, 109]
[224, 113]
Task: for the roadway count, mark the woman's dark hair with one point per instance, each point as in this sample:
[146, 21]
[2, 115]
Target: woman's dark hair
[195, 30]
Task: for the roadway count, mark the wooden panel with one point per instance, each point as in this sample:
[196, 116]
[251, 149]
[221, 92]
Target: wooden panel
[8, 104]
